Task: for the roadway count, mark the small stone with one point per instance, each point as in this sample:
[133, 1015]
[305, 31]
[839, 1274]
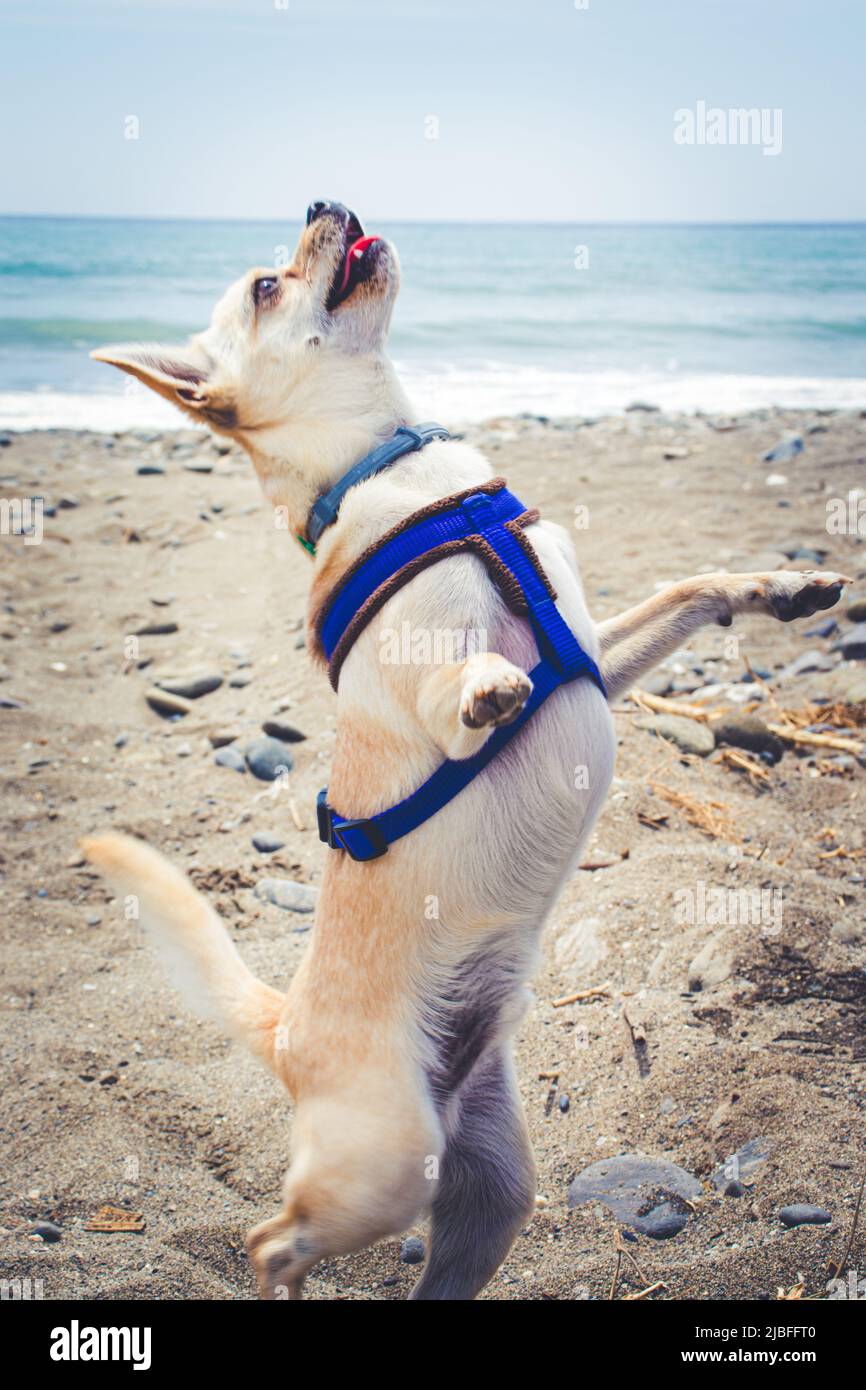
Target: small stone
[68, 503]
[760, 560]
[800, 1214]
[733, 1189]
[47, 1231]
[287, 732]
[852, 644]
[267, 758]
[662, 1227]
[266, 843]
[711, 966]
[810, 556]
[741, 1167]
[857, 610]
[846, 932]
[848, 684]
[688, 735]
[146, 470]
[823, 629]
[184, 750]
[94, 919]
[749, 732]
[230, 757]
[648, 1194]
[657, 683]
[240, 679]
[564, 1104]
[795, 550]
[643, 407]
[165, 703]
[676, 451]
[156, 630]
[220, 737]
[785, 449]
[412, 1251]
[807, 661]
[197, 466]
[192, 686]
[285, 893]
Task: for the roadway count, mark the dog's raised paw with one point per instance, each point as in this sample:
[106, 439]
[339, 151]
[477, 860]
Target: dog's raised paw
[792, 594]
[494, 696]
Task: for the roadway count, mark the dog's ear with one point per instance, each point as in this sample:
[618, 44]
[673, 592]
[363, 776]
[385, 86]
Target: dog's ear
[181, 375]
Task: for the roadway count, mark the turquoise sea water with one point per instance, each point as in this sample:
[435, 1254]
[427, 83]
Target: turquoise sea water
[491, 319]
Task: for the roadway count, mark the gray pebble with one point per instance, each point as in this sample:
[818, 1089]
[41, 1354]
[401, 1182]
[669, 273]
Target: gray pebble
[287, 732]
[47, 1230]
[266, 843]
[193, 686]
[644, 1193]
[825, 628]
[687, 734]
[806, 662]
[266, 756]
[284, 892]
[785, 449]
[852, 644]
[741, 1166]
[412, 1251]
[230, 756]
[800, 1214]
[155, 630]
[749, 732]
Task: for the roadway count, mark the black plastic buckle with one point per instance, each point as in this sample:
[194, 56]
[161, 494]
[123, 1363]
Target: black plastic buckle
[334, 835]
[324, 816]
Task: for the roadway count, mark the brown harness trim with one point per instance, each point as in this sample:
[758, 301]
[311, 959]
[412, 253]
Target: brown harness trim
[498, 572]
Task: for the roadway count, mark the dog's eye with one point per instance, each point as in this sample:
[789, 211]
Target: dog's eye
[265, 288]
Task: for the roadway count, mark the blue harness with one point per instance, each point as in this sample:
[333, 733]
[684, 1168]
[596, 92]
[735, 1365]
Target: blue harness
[477, 518]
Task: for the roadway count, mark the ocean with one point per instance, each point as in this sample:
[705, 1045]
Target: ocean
[492, 319]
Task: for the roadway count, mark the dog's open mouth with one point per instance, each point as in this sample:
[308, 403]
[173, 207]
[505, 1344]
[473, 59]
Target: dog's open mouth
[360, 253]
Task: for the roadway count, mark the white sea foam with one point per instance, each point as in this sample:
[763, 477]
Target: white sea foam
[459, 394]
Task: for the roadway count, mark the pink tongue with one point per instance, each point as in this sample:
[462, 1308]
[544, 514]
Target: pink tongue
[355, 252]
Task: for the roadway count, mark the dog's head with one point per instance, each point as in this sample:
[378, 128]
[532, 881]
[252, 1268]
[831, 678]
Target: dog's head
[285, 346]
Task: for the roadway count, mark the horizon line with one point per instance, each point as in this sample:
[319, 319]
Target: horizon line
[443, 221]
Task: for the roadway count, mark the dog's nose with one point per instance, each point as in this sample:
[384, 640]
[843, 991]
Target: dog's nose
[353, 225]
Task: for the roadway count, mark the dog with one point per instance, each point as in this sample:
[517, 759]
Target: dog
[395, 1035]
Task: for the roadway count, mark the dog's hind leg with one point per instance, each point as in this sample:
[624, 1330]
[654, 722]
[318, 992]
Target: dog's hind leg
[635, 641]
[199, 952]
[363, 1168]
[486, 1190]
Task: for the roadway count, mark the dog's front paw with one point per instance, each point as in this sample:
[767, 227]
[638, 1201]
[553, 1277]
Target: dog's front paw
[792, 594]
[494, 694]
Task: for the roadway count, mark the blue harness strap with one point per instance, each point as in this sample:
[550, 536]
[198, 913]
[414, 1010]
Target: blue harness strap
[562, 659]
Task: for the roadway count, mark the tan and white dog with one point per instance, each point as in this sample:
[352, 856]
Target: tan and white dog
[395, 1035]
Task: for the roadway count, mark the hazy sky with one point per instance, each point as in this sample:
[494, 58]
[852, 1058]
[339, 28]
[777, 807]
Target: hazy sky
[546, 111]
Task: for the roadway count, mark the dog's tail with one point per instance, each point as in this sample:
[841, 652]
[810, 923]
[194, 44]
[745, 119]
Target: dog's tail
[189, 935]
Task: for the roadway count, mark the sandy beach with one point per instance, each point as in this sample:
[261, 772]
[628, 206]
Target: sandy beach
[703, 1035]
